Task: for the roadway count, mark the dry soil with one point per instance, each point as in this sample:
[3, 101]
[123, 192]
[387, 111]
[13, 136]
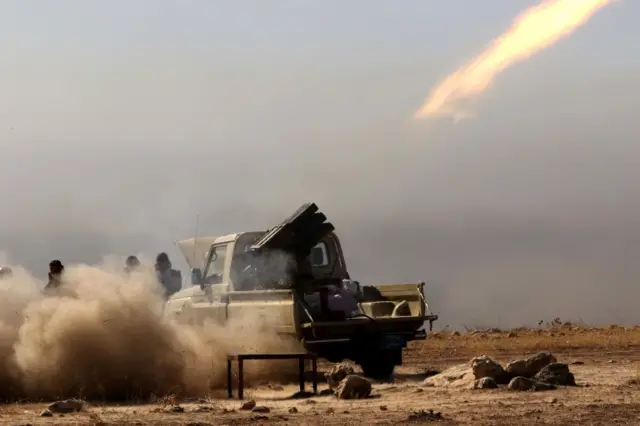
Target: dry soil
[605, 361]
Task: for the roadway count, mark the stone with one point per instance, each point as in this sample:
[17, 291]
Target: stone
[483, 366]
[66, 406]
[458, 376]
[353, 387]
[556, 374]
[529, 367]
[337, 373]
[485, 383]
[525, 384]
[46, 413]
[261, 409]
[249, 405]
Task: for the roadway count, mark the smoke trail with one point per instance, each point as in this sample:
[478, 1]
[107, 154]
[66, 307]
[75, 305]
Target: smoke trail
[533, 30]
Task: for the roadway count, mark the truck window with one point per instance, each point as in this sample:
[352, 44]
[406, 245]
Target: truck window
[215, 267]
[319, 255]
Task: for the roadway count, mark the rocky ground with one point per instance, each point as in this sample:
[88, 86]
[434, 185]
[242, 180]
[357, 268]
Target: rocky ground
[476, 384]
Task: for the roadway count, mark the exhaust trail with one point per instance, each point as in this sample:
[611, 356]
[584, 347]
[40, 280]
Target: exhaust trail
[533, 30]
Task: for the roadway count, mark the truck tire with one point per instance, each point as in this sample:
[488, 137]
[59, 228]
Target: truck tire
[379, 365]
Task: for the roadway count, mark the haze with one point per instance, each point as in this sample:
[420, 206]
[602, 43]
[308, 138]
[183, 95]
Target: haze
[120, 121]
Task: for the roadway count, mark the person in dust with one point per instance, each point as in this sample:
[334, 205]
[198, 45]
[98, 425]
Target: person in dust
[55, 283]
[5, 272]
[171, 279]
[131, 264]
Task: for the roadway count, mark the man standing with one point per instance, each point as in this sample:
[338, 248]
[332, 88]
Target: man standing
[132, 264]
[5, 272]
[171, 279]
[56, 268]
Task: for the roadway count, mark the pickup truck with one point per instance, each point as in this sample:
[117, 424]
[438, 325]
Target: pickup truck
[278, 273]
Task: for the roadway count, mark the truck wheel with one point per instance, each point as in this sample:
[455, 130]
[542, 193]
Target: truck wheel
[379, 366]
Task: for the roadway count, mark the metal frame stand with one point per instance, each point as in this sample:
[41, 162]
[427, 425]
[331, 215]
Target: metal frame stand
[240, 358]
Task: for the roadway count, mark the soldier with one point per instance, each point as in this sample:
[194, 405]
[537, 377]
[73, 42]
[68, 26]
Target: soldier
[171, 279]
[56, 268]
[132, 264]
[5, 272]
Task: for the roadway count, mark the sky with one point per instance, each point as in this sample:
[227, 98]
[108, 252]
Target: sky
[121, 122]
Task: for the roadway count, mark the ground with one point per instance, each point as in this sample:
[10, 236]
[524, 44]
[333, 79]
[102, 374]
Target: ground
[605, 361]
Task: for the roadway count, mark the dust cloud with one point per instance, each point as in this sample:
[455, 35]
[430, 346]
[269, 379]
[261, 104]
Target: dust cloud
[110, 341]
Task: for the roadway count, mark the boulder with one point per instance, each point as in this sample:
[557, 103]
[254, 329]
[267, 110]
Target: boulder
[525, 384]
[248, 405]
[337, 373]
[353, 387]
[485, 383]
[458, 376]
[66, 406]
[531, 366]
[556, 374]
[483, 366]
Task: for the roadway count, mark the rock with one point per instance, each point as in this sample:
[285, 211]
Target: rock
[203, 409]
[383, 408]
[46, 413]
[556, 374]
[261, 409]
[456, 376]
[517, 368]
[66, 406]
[424, 416]
[483, 366]
[249, 405]
[485, 383]
[353, 387]
[293, 410]
[531, 366]
[330, 411]
[275, 387]
[525, 384]
[337, 373]
[455, 333]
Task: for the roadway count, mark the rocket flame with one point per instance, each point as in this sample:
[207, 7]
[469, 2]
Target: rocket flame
[533, 30]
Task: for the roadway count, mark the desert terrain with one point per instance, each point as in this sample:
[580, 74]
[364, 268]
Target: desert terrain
[605, 362]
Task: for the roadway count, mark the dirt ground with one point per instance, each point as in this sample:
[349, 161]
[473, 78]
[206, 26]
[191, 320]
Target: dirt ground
[605, 362]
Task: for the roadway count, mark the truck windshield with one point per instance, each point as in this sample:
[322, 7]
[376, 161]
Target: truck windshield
[214, 270]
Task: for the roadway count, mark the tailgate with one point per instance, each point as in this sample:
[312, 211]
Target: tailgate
[408, 327]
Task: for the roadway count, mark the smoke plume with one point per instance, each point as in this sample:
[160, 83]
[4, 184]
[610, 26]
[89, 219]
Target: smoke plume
[111, 341]
[533, 30]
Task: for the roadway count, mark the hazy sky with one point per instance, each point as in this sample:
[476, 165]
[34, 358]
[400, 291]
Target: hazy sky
[119, 120]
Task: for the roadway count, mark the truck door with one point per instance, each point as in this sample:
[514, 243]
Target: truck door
[213, 304]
